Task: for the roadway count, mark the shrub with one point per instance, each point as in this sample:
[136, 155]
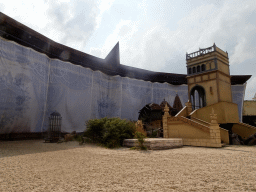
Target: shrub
[110, 132]
[154, 133]
[78, 138]
[95, 129]
[141, 139]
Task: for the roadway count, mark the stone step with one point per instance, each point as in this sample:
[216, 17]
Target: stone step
[155, 143]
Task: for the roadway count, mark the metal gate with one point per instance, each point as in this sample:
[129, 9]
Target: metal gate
[54, 129]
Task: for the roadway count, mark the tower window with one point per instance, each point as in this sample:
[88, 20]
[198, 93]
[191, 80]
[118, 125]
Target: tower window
[197, 97]
[194, 69]
[203, 67]
[189, 70]
[198, 68]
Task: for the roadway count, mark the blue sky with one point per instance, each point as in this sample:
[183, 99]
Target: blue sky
[153, 35]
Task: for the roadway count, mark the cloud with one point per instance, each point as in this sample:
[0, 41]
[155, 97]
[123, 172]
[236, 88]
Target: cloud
[104, 5]
[72, 24]
[124, 32]
[69, 22]
[230, 25]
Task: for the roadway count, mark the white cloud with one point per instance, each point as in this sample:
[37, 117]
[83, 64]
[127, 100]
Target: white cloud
[69, 22]
[230, 25]
[27, 12]
[123, 32]
[104, 5]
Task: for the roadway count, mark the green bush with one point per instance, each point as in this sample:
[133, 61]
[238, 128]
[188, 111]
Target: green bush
[109, 131]
[154, 134]
[141, 139]
[78, 138]
[95, 129]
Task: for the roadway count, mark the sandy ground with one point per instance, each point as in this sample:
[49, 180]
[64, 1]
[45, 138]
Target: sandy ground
[38, 166]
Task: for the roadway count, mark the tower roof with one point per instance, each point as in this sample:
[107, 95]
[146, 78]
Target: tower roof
[177, 103]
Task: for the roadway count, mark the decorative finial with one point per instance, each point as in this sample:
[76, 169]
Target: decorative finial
[166, 109]
[213, 117]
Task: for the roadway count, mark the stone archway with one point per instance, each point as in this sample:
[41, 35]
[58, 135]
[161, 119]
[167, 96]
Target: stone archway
[197, 97]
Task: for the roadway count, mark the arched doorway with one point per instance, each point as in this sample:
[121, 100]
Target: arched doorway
[197, 97]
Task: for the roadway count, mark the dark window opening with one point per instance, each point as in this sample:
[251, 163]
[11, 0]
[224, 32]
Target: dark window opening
[198, 69]
[194, 69]
[197, 97]
[203, 67]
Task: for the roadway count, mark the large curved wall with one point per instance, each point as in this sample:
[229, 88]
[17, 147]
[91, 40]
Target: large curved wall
[32, 86]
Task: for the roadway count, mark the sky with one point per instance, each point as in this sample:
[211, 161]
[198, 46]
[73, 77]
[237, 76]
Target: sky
[152, 35]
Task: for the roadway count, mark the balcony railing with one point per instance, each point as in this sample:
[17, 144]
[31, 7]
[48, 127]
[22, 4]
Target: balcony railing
[201, 52]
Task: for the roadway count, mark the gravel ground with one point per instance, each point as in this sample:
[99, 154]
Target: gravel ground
[37, 166]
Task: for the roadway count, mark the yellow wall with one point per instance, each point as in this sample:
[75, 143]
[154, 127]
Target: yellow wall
[178, 129]
[200, 142]
[249, 108]
[225, 91]
[224, 78]
[243, 130]
[211, 98]
[227, 112]
[208, 66]
[223, 67]
[183, 112]
[224, 136]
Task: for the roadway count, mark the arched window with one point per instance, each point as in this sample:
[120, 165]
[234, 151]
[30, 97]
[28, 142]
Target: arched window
[189, 70]
[197, 97]
[203, 67]
[194, 69]
[198, 69]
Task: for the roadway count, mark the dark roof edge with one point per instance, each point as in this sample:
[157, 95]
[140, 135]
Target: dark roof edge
[12, 30]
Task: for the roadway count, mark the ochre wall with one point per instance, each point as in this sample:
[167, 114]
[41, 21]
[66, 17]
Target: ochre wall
[200, 142]
[178, 129]
[244, 130]
[227, 112]
[225, 91]
[224, 136]
[211, 97]
[223, 66]
[183, 112]
[249, 108]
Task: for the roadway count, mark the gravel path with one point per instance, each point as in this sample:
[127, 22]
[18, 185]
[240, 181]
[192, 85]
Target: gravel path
[37, 166]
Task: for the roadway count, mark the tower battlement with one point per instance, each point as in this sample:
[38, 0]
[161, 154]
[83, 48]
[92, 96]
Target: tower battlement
[205, 51]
